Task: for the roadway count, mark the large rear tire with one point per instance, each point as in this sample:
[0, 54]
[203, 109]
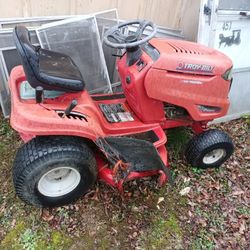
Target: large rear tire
[53, 171]
[209, 149]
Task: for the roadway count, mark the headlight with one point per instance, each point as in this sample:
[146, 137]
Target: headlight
[228, 74]
[208, 109]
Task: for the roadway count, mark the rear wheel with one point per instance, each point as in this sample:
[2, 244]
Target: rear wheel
[53, 171]
[209, 149]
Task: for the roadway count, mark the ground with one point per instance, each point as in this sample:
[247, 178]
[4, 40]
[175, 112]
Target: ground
[203, 210]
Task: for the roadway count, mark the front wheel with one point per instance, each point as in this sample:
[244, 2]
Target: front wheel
[53, 171]
[209, 149]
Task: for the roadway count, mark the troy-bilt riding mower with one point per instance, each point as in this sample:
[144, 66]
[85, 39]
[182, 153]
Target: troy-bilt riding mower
[72, 138]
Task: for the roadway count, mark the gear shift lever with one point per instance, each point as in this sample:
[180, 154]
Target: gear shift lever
[71, 106]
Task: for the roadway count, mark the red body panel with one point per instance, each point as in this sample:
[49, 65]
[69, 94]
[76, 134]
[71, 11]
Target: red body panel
[183, 90]
[186, 74]
[175, 52]
[177, 77]
[193, 86]
[143, 106]
[31, 119]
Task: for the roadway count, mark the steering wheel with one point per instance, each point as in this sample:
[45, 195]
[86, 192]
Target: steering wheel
[115, 39]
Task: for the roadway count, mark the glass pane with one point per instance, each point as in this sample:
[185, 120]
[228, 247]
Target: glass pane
[243, 5]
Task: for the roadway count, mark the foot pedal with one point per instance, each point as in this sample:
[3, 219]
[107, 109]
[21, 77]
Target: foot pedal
[116, 113]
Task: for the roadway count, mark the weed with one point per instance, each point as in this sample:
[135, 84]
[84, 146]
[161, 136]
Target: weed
[2, 147]
[197, 171]
[5, 129]
[243, 211]
[59, 241]
[29, 239]
[21, 237]
[204, 238]
[246, 118]
[204, 241]
[161, 230]
[63, 213]
[177, 140]
[11, 240]
[214, 218]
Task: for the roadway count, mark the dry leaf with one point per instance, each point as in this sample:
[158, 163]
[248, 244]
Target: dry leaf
[236, 193]
[185, 191]
[161, 199]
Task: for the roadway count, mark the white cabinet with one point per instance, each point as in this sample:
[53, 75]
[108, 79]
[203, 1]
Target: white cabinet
[225, 25]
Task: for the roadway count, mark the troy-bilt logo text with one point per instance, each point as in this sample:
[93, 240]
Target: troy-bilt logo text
[195, 67]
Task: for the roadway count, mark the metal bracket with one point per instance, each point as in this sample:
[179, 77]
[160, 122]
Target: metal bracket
[245, 13]
[207, 10]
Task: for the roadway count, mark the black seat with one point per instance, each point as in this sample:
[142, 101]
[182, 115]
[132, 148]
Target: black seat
[48, 69]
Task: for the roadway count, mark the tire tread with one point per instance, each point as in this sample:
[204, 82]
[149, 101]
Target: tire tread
[48, 148]
[208, 139]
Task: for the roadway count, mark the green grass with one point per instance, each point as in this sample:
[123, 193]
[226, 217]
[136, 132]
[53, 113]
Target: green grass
[203, 241]
[244, 211]
[246, 118]
[177, 140]
[5, 129]
[23, 236]
[161, 231]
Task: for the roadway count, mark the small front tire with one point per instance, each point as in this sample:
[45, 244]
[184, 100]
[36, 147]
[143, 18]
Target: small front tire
[209, 149]
[53, 171]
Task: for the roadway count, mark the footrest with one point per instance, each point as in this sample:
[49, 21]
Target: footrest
[132, 159]
[140, 154]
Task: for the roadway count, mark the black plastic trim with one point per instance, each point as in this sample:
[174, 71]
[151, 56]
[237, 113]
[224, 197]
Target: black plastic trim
[107, 97]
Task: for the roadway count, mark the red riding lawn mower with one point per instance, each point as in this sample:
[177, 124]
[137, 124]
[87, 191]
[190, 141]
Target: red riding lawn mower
[72, 138]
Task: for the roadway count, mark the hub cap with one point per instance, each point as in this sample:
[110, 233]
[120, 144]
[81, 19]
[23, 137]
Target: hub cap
[59, 181]
[214, 156]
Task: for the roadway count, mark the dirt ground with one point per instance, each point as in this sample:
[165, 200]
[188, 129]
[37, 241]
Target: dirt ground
[203, 210]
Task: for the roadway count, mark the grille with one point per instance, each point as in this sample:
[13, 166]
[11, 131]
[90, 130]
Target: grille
[72, 116]
[180, 49]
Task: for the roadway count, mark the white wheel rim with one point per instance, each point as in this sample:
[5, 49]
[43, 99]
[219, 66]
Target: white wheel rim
[214, 156]
[59, 181]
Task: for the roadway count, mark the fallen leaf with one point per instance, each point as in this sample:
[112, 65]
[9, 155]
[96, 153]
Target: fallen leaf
[185, 191]
[161, 199]
[134, 234]
[242, 228]
[236, 193]
[13, 223]
[186, 179]
[46, 216]
[192, 204]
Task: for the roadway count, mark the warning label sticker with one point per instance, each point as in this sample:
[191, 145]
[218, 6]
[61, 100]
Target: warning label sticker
[116, 113]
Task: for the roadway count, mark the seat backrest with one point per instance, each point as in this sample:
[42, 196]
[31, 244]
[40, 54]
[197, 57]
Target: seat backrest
[48, 69]
[28, 53]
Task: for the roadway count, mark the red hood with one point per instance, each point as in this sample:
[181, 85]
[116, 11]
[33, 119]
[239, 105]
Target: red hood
[184, 56]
